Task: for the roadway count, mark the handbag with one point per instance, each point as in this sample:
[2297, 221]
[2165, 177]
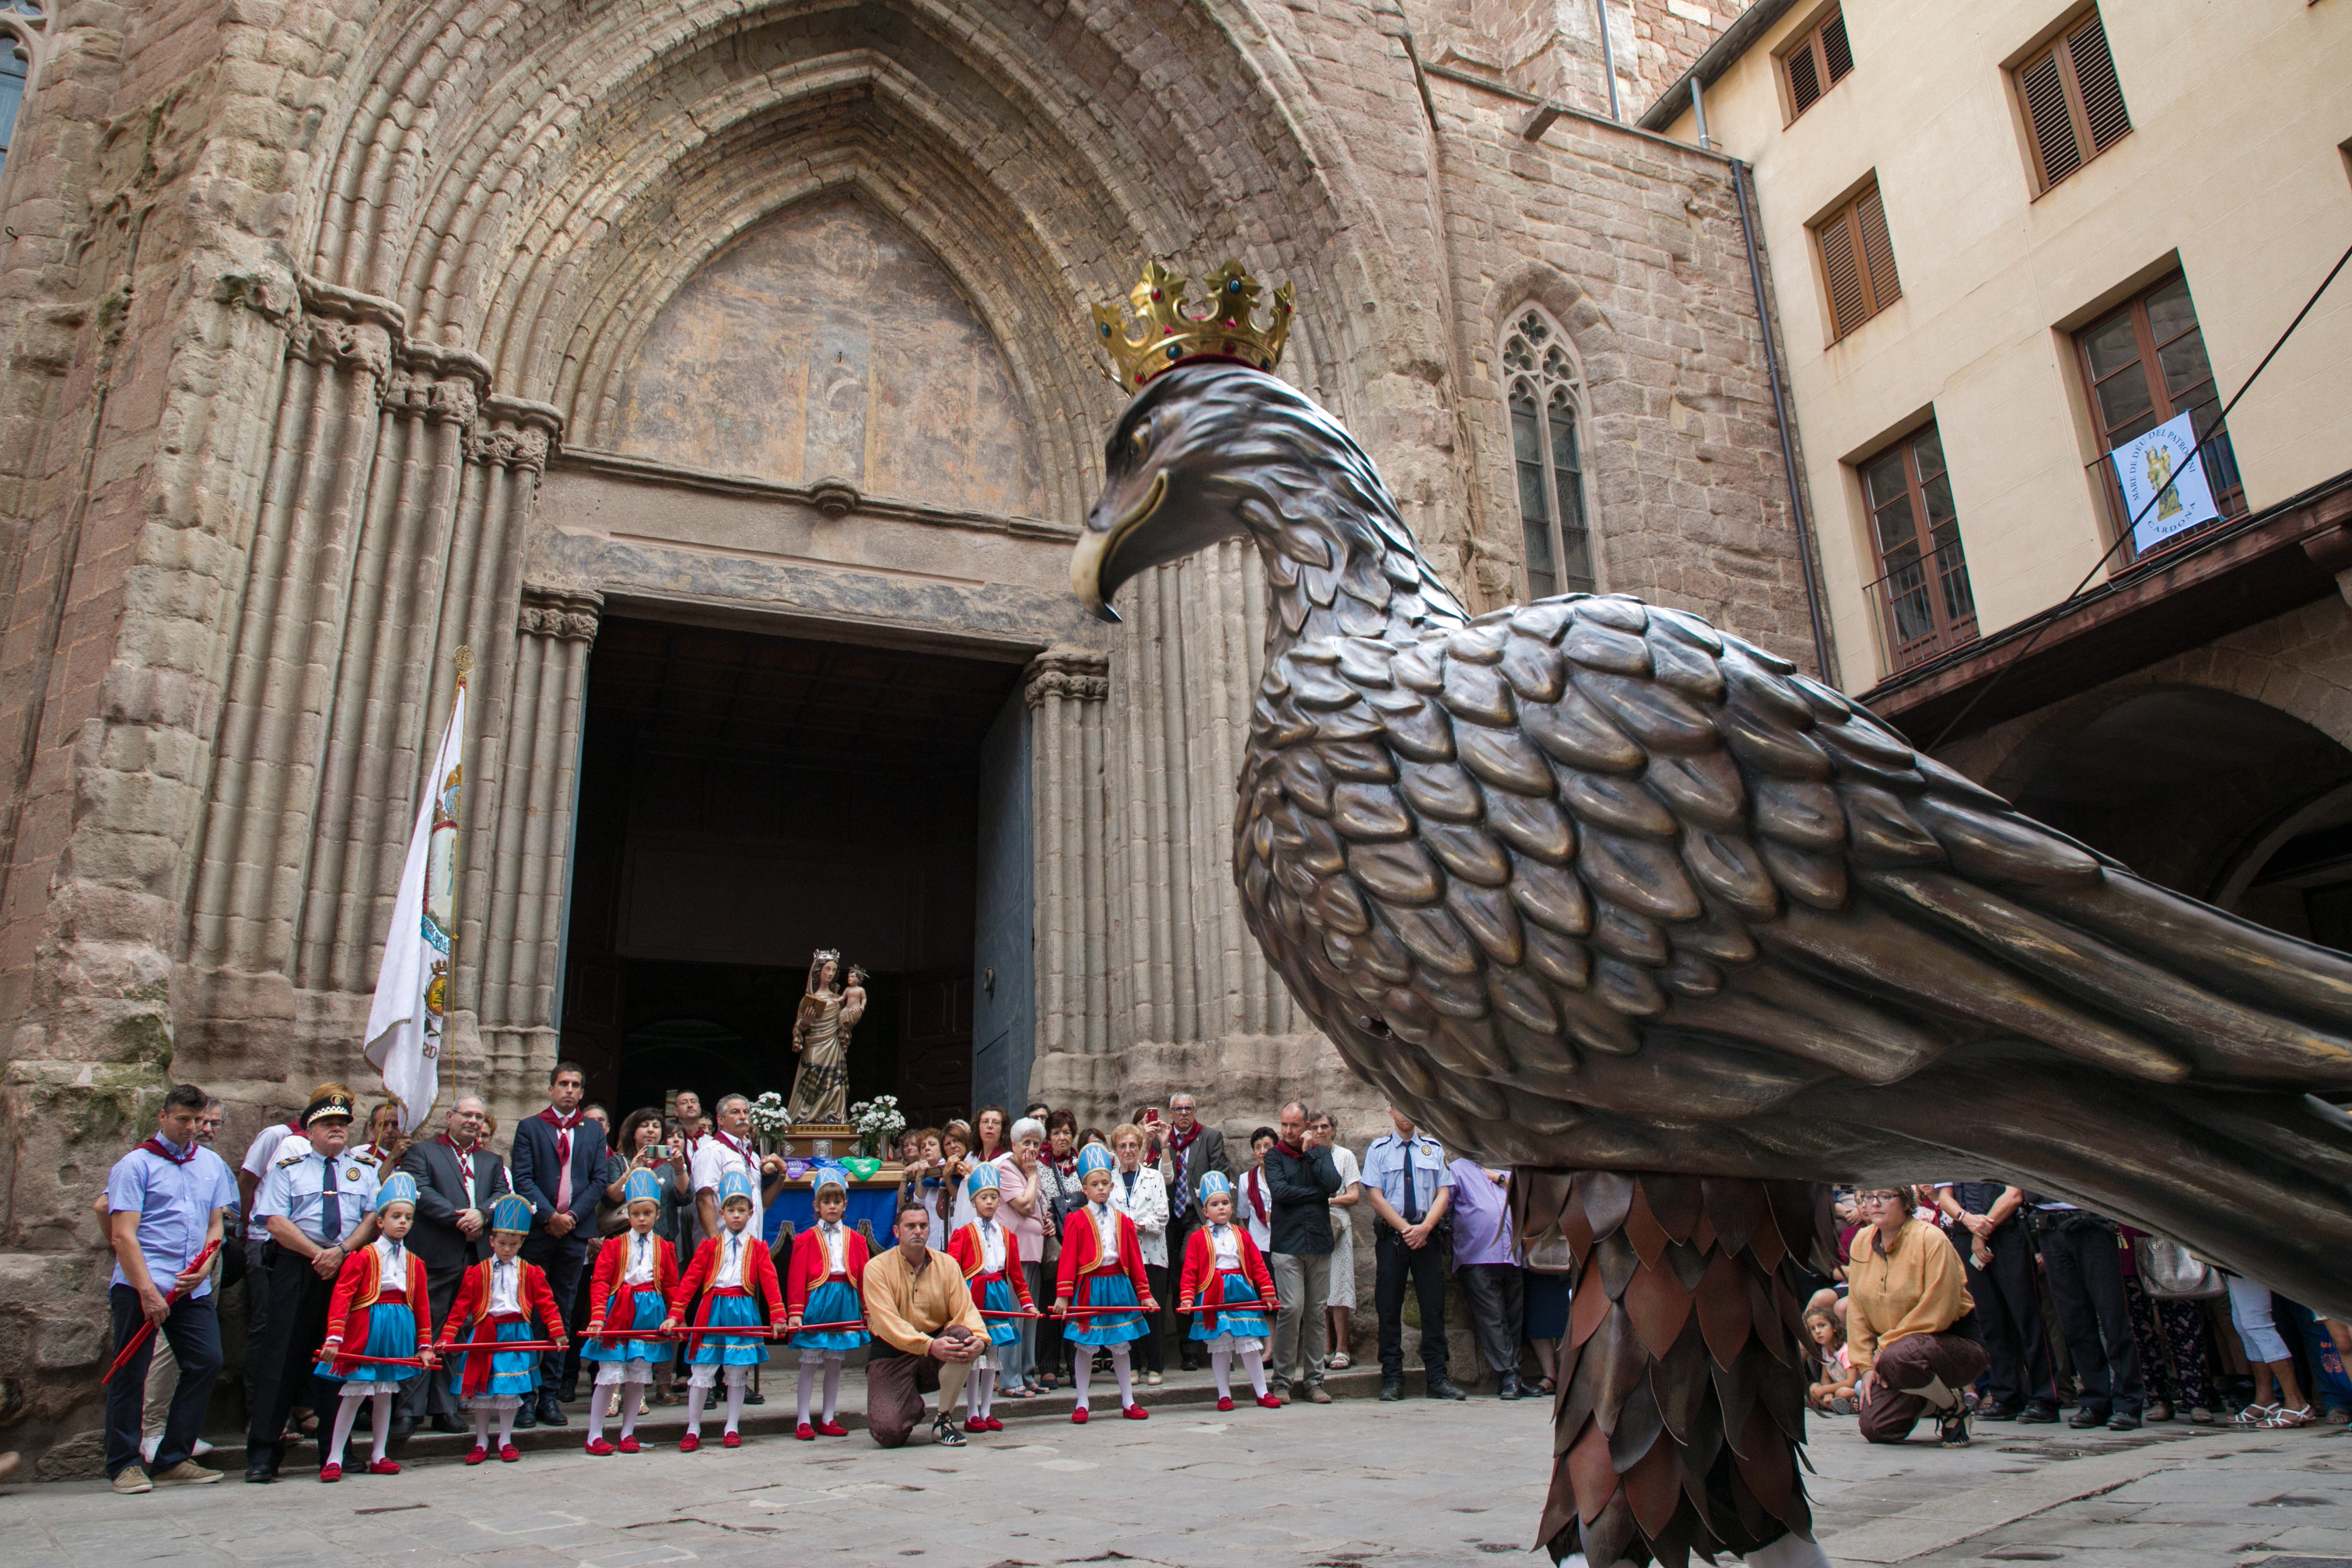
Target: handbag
[2171, 1272]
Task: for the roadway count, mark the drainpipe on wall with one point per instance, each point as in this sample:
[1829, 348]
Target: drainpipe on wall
[1740, 188]
[1608, 61]
[1698, 113]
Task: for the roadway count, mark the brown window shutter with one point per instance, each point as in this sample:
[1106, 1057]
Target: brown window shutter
[1877, 251]
[1849, 304]
[2053, 126]
[1804, 79]
[1836, 50]
[2094, 75]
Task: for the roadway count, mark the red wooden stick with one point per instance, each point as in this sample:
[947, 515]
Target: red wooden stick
[147, 1330]
[853, 1324]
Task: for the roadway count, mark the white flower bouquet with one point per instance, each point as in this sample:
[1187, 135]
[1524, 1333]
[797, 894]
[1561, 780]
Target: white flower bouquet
[768, 1117]
[878, 1124]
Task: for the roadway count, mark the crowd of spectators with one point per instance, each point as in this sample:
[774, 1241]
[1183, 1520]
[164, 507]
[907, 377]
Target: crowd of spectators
[1954, 1302]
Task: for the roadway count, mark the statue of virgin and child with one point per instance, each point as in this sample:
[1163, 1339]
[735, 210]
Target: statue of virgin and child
[829, 1010]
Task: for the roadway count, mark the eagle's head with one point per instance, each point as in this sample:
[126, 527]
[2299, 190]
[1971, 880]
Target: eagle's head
[1213, 450]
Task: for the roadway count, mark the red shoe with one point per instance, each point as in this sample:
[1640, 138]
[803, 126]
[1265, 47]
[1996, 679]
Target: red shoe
[384, 1467]
[731, 1439]
[598, 1446]
[629, 1444]
[1225, 1402]
[977, 1423]
[476, 1453]
[331, 1472]
[508, 1453]
[994, 1425]
[1078, 1417]
[689, 1443]
[1136, 1412]
[831, 1429]
[1269, 1401]
[805, 1432]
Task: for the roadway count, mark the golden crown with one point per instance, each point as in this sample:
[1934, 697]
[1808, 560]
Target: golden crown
[1225, 326]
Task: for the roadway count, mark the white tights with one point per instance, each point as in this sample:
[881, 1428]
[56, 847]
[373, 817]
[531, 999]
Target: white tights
[631, 1395]
[809, 1362]
[696, 1397]
[1084, 1366]
[482, 1425]
[348, 1413]
[1221, 1362]
[980, 1394]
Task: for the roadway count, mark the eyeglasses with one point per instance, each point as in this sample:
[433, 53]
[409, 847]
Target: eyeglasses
[1882, 1197]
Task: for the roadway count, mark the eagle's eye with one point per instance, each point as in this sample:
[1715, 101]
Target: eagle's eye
[1142, 439]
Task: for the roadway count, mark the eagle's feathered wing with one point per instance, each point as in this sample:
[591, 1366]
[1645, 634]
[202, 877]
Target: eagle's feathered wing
[1589, 882]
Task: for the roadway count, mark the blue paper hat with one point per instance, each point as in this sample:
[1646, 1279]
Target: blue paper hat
[736, 1185]
[1094, 1157]
[981, 1180]
[1216, 1185]
[511, 1212]
[641, 1187]
[400, 1187]
[829, 1176]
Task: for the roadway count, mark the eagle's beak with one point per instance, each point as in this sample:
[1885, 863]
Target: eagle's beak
[1090, 562]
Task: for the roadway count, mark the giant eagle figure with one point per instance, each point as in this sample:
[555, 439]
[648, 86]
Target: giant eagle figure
[1588, 885]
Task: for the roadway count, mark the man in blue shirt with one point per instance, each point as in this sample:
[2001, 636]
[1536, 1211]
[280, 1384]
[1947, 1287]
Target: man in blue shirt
[165, 1201]
[1411, 1190]
[320, 1207]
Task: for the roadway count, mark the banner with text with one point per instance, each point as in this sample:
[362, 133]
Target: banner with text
[2166, 465]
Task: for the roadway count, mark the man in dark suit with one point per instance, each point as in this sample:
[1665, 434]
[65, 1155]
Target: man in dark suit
[1194, 1148]
[455, 1184]
[558, 1161]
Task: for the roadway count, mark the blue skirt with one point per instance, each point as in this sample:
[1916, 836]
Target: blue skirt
[511, 1371]
[1112, 1328]
[648, 1313]
[1242, 1320]
[731, 1349]
[999, 1298]
[392, 1332]
[831, 1303]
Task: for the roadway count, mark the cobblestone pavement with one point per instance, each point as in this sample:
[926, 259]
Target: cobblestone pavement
[1354, 1485]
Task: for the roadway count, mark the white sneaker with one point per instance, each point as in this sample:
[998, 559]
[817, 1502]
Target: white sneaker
[131, 1479]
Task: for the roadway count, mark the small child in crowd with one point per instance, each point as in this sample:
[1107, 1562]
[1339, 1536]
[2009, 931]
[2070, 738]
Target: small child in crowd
[1223, 1270]
[379, 1303]
[497, 1304]
[635, 1273]
[827, 1265]
[1831, 1391]
[1102, 1285]
[992, 1268]
[739, 1276]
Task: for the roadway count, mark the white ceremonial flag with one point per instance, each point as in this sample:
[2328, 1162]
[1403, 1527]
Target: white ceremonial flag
[2164, 465]
[406, 1026]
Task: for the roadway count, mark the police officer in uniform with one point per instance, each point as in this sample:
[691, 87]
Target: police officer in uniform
[1405, 1177]
[320, 1207]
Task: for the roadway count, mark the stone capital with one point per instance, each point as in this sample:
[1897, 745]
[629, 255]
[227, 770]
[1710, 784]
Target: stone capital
[1077, 675]
[569, 614]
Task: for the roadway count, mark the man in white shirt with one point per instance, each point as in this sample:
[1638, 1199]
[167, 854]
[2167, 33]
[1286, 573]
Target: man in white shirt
[729, 1148]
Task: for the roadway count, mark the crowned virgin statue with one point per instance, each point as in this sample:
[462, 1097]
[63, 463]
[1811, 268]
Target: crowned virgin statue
[821, 1039]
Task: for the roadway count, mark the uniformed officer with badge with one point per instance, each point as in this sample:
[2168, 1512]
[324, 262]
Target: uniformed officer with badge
[319, 1204]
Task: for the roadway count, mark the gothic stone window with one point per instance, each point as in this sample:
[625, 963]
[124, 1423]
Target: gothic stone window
[23, 41]
[1542, 385]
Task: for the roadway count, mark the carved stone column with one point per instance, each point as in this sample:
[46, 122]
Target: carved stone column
[1065, 691]
[522, 952]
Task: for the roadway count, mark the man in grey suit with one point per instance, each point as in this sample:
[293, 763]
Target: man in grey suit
[1194, 1148]
[455, 1184]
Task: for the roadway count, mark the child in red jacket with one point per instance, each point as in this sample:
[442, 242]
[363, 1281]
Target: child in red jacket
[992, 1268]
[379, 1305]
[1103, 1289]
[827, 1285]
[635, 1273]
[739, 1276]
[499, 1301]
[1225, 1273]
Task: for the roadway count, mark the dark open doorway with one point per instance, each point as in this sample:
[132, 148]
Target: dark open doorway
[744, 800]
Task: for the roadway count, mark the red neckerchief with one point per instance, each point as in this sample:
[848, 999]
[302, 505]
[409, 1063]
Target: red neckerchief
[163, 1150]
[1255, 1182]
[464, 1162]
[727, 1139]
[1180, 1141]
[1067, 1167]
[563, 1126]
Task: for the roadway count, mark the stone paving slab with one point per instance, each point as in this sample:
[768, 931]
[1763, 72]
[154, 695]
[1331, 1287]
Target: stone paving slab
[1358, 1484]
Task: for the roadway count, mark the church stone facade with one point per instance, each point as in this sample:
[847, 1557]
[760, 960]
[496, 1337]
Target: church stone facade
[341, 334]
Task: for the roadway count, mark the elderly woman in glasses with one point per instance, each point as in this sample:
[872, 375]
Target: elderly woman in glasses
[1906, 1301]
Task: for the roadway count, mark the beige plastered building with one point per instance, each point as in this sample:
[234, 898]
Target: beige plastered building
[2189, 710]
[719, 375]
